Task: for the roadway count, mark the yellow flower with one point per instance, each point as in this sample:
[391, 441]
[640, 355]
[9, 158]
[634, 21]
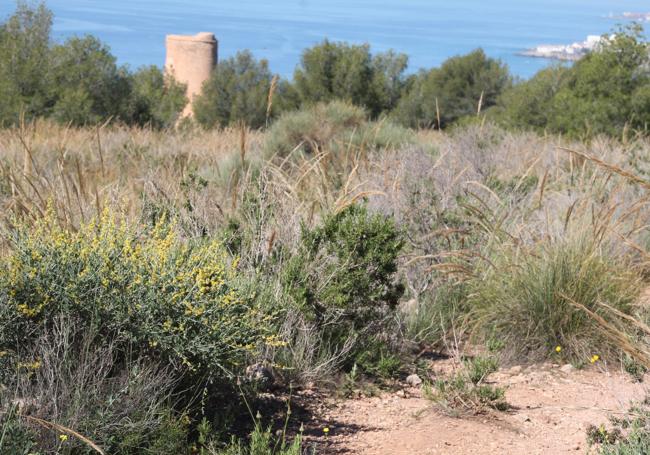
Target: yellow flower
[326, 430]
[63, 437]
[595, 358]
[558, 349]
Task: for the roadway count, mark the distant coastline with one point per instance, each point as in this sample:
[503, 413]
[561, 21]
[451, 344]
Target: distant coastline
[568, 52]
[575, 51]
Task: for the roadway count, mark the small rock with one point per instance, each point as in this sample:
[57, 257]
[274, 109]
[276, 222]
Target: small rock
[414, 380]
[401, 394]
[568, 368]
[515, 370]
[260, 374]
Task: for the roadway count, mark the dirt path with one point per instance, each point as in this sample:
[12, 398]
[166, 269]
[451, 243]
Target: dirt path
[552, 408]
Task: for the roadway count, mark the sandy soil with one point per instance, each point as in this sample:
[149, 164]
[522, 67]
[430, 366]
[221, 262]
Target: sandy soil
[552, 407]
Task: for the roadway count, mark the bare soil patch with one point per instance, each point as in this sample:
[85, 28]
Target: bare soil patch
[552, 407]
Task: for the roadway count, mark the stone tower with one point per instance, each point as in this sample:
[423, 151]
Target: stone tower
[190, 60]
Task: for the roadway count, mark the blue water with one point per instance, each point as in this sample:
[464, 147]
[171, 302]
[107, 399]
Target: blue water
[429, 31]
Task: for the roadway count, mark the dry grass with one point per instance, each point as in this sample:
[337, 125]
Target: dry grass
[463, 197]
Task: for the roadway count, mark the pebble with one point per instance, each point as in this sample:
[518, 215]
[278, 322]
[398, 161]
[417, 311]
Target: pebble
[414, 380]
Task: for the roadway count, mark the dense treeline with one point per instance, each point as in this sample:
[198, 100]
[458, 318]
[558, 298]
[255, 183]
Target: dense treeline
[79, 82]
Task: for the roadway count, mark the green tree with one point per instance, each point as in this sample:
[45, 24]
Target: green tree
[599, 94]
[238, 91]
[156, 99]
[24, 62]
[87, 83]
[528, 104]
[331, 71]
[454, 90]
[603, 93]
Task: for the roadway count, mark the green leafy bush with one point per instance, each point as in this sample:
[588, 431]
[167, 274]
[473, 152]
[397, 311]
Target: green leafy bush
[86, 83]
[158, 295]
[528, 105]
[335, 127]
[343, 275]
[628, 435]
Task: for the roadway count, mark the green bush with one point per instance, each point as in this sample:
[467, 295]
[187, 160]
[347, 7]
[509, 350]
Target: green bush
[15, 437]
[599, 92]
[340, 71]
[525, 297]
[478, 368]
[238, 91]
[628, 435]
[343, 275]
[313, 129]
[453, 91]
[160, 296]
[334, 127]
[261, 443]
[465, 390]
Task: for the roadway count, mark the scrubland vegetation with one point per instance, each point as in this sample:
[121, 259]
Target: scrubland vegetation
[154, 281]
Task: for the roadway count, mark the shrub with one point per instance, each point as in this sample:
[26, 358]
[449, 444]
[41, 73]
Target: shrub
[526, 298]
[158, 295]
[74, 377]
[313, 129]
[629, 435]
[340, 71]
[238, 91]
[261, 443]
[478, 368]
[465, 390]
[342, 278]
[452, 91]
[335, 127]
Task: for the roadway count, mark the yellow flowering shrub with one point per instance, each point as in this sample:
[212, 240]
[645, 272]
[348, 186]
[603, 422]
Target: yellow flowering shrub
[145, 286]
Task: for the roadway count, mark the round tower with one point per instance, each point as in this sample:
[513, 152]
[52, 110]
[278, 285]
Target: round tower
[190, 60]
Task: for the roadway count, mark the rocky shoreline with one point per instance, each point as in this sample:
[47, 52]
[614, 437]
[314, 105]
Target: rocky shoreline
[568, 52]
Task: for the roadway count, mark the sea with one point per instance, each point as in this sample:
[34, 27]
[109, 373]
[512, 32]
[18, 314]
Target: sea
[428, 31]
